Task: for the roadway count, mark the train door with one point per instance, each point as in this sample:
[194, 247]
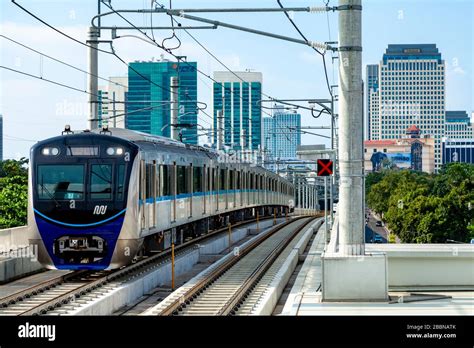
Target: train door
[226, 187]
[190, 183]
[142, 193]
[154, 188]
[173, 192]
[204, 189]
[216, 186]
[235, 179]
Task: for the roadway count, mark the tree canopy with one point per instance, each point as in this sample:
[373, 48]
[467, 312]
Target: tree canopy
[13, 193]
[424, 208]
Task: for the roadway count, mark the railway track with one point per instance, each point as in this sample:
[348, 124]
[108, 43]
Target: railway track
[63, 294]
[222, 289]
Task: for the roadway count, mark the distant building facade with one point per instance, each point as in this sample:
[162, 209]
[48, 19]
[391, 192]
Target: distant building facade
[112, 102]
[409, 89]
[239, 98]
[458, 150]
[147, 104]
[458, 125]
[282, 134]
[410, 152]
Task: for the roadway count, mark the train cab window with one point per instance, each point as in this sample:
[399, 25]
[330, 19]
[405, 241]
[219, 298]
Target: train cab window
[101, 181]
[181, 180]
[120, 181]
[60, 182]
[197, 179]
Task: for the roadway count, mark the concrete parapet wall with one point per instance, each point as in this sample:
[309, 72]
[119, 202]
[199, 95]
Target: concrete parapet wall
[17, 258]
[13, 237]
[419, 265]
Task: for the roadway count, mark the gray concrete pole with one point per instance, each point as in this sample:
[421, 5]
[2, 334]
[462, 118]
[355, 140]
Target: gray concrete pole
[220, 130]
[174, 107]
[351, 214]
[92, 79]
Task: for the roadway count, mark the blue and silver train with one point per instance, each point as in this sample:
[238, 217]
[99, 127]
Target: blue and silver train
[98, 199]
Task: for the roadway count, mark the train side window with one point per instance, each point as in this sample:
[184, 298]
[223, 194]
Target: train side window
[164, 180]
[181, 180]
[215, 178]
[120, 181]
[148, 181]
[197, 179]
[209, 178]
[239, 184]
[222, 180]
[231, 179]
[101, 181]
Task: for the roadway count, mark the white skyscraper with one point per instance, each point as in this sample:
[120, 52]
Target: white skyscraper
[409, 90]
[113, 101]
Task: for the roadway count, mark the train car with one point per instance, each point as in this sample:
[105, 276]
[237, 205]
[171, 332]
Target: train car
[98, 199]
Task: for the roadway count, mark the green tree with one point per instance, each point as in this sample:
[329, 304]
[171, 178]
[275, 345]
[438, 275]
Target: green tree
[13, 193]
[422, 208]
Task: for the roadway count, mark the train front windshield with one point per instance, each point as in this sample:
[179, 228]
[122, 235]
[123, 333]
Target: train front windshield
[60, 181]
[67, 182]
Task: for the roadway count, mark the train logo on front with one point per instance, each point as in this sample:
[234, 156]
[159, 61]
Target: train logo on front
[100, 209]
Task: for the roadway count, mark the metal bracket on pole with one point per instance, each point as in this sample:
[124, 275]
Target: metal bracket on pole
[349, 48]
[347, 7]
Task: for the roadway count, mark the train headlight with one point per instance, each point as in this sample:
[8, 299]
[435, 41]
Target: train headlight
[50, 151]
[111, 151]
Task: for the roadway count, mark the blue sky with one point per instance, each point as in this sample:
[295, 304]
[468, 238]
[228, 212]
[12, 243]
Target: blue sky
[34, 109]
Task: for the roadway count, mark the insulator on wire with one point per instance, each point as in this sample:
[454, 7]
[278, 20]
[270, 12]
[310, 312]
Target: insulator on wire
[319, 45]
[320, 9]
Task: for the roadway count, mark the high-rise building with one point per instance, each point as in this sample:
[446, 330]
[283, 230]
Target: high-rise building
[1, 138]
[458, 125]
[112, 102]
[239, 99]
[148, 103]
[410, 91]
[282, 133]
[371, 105]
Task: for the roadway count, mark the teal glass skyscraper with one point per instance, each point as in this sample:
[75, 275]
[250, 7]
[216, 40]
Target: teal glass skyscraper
[148, 108]
[239, 98]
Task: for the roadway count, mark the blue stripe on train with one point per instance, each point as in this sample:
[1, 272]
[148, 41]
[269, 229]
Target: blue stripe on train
[195, 194]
